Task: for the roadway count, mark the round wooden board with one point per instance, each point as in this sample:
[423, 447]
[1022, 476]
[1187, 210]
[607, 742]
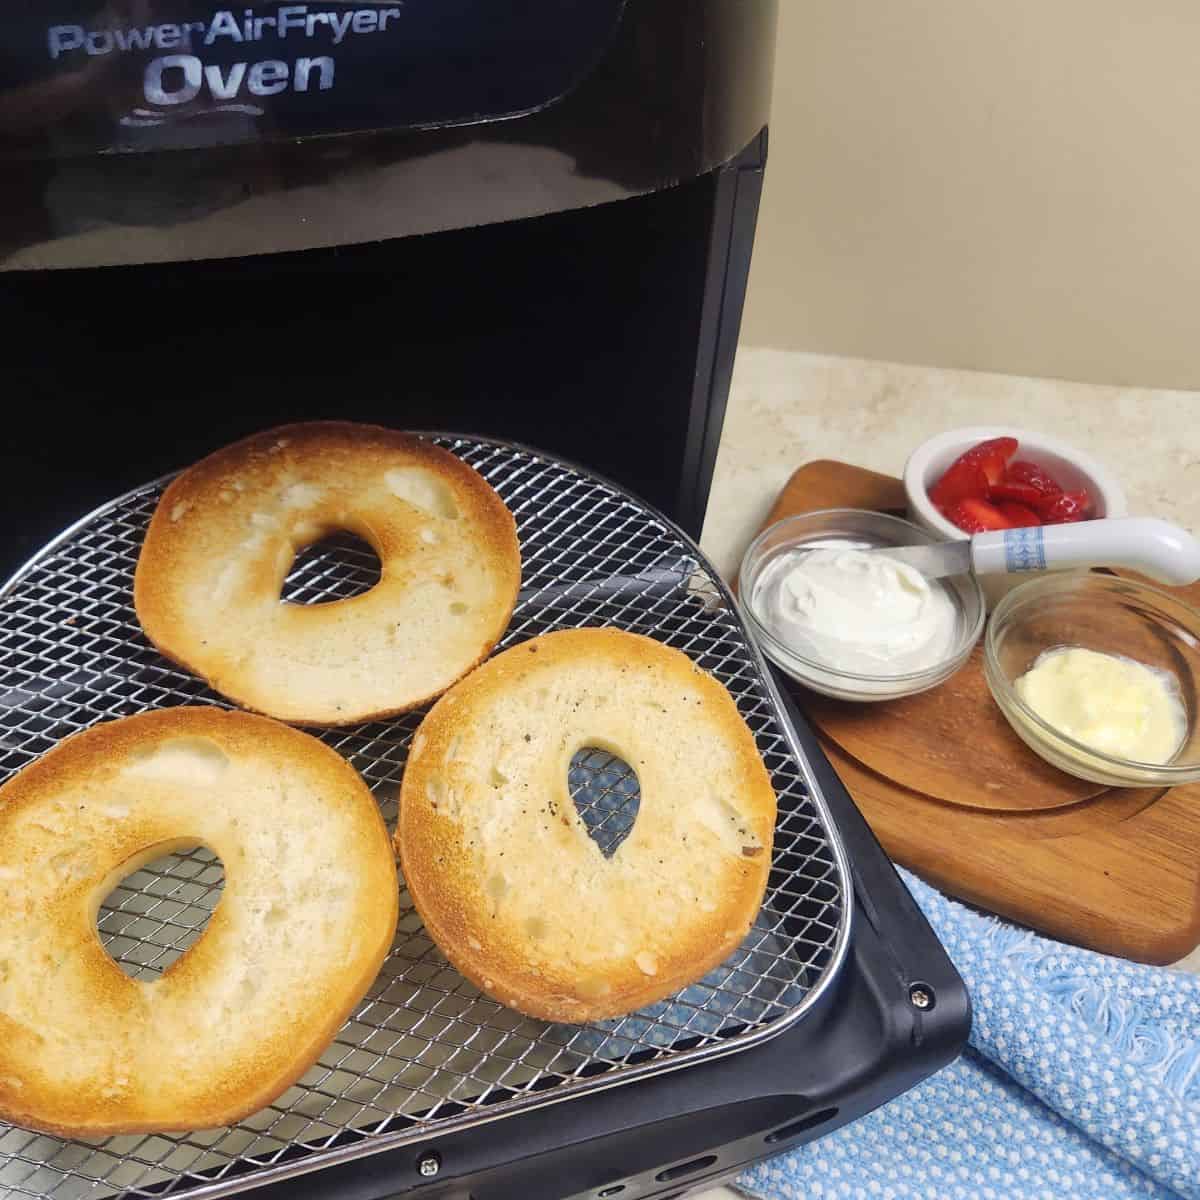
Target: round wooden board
[951, 743]
[925, 825]
[1119, 872]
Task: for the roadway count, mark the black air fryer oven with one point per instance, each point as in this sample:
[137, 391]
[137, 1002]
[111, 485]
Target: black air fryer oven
[529, 223]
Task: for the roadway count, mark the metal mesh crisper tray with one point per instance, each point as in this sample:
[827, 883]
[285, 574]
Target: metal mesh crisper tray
[424, 1052]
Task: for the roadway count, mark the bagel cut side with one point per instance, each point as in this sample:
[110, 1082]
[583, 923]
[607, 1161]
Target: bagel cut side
[501, 866]
[226, 532]
[306, 917]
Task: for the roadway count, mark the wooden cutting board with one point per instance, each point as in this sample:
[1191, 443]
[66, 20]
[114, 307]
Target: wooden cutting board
[952, 793]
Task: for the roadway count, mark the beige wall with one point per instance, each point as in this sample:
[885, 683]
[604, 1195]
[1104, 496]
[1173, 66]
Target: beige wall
[1008, 185]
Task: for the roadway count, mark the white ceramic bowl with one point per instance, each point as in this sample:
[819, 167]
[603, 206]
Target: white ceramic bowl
[1072, 468]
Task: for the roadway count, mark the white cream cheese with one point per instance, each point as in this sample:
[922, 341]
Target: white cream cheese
[1113, 704]
[863, 613]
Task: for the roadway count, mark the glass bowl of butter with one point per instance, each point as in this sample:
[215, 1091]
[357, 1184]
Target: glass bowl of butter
[1098, 674]
[849, 622]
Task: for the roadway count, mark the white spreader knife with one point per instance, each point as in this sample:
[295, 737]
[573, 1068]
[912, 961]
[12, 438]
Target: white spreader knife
[1155, 548]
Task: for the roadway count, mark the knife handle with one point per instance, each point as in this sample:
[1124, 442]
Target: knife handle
[1155, 548]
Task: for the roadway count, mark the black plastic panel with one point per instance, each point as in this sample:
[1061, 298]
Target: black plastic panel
[178, 74]
[671, 91]
[606, 336]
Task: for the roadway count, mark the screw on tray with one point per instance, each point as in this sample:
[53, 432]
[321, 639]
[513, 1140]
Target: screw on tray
[921, 996]
[428, 1165]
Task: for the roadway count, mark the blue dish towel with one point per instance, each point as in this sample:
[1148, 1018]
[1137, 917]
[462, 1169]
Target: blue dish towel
[1082, 1079]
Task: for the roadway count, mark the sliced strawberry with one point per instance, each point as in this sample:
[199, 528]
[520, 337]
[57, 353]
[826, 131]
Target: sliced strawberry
[977, 516]
[1033, 475]
[1067, 507]
[961, 480]
[1020, 516]
[992, 456]
[1021, 493]
[974, 471]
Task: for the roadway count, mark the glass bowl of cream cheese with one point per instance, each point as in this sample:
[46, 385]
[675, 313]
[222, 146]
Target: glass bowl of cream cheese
[849, 622]
[1098, 674]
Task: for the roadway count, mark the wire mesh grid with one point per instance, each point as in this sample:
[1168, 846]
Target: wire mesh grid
[425, 1051]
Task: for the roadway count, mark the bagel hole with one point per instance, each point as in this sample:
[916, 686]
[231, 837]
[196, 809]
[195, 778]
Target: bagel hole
[607, 796]
[336, 567]
[156, 912]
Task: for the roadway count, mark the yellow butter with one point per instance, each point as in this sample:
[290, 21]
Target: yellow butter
[1110, 703]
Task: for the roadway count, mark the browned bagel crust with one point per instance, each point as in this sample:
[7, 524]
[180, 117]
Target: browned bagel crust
[306, 918]
[223, 538]
[500, 865]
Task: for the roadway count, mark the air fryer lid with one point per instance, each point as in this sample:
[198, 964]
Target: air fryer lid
[135, 75]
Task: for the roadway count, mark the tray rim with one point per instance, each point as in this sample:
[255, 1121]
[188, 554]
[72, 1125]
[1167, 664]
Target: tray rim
[372, 1144]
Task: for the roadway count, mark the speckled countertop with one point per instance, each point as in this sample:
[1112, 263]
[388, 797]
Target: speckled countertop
[787, 409]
